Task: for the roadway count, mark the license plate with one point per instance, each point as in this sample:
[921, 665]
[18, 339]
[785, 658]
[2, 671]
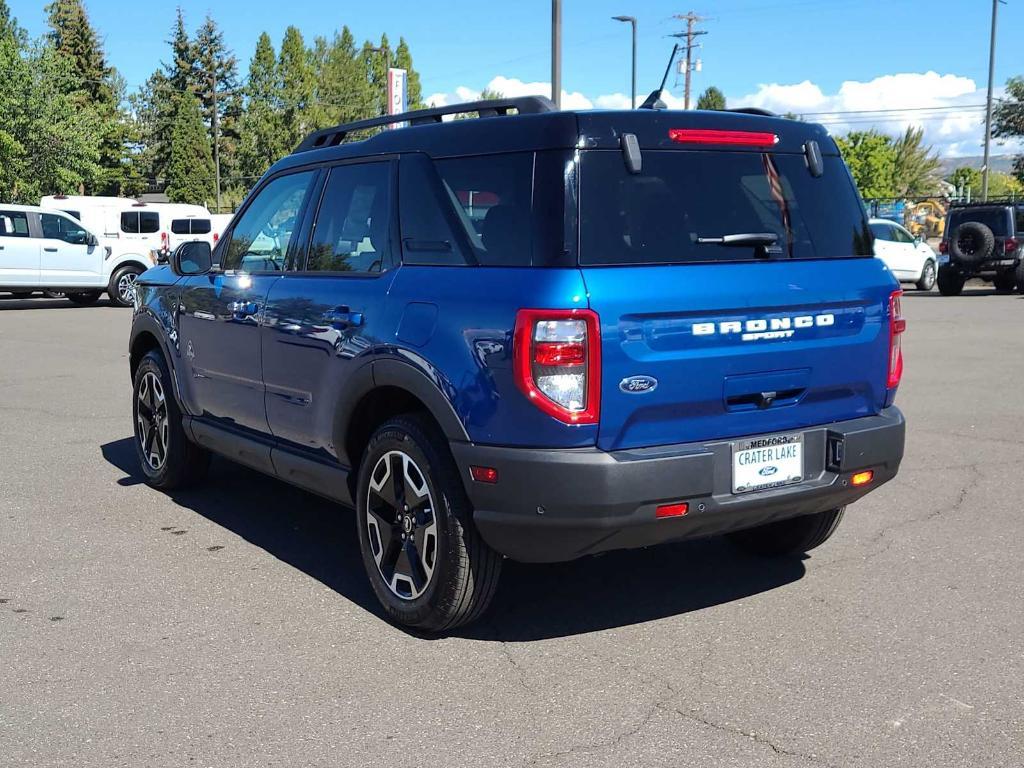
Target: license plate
[767, 462]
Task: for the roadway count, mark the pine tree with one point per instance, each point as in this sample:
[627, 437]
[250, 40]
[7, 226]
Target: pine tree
[182, 72]
[403, 60]
[712, 98]
[342, 92]
[296, 86]
[190, 171]
[98, 87]
[260, 142]
[217, 65]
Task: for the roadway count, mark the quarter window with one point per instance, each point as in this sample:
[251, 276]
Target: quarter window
[353, 225]
[262, 235]
[13, 224]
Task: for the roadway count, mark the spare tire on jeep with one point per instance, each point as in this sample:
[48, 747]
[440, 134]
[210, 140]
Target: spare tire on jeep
[972, 242]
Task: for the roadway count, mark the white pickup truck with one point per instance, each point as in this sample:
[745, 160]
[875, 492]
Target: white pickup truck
[47, 250]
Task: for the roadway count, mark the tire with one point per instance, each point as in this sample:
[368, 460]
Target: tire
[443, 575]
[1005, 282]
[85, 299]
[951, 282]
[1019, 272]
[121, 289]
[927, 281]
[55, 294]
[972, 242]
[789, 537]
[167, 457]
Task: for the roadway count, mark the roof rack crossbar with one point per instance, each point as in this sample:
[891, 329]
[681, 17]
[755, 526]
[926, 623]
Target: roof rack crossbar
[523, 105]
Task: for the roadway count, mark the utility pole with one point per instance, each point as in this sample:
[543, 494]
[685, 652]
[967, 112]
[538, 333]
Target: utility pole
[216, 136]
[691, 19]
[988, 101]
[632, 21]
[556, 52]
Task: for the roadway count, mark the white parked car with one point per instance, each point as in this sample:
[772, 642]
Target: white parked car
[158, 227]
[46, 250]
[909, 258]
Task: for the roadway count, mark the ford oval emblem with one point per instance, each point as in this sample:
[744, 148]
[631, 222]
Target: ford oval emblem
[767, 471]
[636, 385]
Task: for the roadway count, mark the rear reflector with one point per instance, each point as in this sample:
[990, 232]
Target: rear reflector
[484, 474]
[897, 325]
[862, 478]
[672, 510]
[730, 138]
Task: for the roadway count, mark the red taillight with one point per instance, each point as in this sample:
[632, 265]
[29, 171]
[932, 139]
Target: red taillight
[559, 353]
[484, 474]
[1009, 245]
[897, 325]
[216, 237]
[163, 238]
[557, 362]
[672, 510]
[731, 138]
[944, 247]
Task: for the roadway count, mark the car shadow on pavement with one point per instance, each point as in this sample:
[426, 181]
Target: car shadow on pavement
[7, 304]
[533, 602]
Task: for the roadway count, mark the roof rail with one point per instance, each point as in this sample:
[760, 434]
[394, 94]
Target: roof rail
[752, 111]
[1005, 200]
[329, 137]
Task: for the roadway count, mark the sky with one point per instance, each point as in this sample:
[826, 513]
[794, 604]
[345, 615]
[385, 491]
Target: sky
[840, 62]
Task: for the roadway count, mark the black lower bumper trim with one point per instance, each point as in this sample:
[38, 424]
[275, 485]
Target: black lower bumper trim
[553, 505]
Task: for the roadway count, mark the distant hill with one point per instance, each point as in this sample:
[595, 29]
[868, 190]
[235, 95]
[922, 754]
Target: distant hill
[1003, 163]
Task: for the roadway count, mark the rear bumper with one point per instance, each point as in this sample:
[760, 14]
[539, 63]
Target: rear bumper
[554, 505]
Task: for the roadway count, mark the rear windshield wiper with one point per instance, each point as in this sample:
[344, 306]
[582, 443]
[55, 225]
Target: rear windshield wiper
[740, 239]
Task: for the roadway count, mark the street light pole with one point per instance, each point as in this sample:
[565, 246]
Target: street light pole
[988, 101]
[632, 21]
[556, 52]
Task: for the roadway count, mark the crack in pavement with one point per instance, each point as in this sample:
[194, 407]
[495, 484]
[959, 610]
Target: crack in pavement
[519, 671]
[758, 738]
[976, 475]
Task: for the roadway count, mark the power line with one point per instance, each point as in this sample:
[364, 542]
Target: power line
[691, 19]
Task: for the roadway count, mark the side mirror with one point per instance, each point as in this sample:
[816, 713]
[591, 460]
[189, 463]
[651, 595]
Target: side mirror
[918, 239]
[91, 240]
[192, 258]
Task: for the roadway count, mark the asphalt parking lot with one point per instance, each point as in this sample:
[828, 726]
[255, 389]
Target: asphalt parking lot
[232, 625]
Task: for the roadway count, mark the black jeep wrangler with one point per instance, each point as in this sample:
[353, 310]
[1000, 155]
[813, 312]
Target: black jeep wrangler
[984, 240]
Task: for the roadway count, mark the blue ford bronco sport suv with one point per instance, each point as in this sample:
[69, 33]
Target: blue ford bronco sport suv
[537, 335]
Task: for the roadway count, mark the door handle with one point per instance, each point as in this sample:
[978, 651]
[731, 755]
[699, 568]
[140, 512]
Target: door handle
[244, 310]
[50, 250]
[343, 317]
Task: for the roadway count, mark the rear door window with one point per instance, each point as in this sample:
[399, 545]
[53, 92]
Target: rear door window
[13, 224]
[682, 203]
[190, 226]
[1020, 221]
[881, 231]
[352, 232]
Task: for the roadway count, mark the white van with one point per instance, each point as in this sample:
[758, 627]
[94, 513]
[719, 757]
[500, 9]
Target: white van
[147, 226]
[49, 250]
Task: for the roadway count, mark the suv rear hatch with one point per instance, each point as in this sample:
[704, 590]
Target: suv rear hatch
[734, 283]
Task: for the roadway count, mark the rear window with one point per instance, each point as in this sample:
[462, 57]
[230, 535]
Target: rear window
[995, 219]
[13, 224]
[190, 226]
[73, 214]
[681, 202]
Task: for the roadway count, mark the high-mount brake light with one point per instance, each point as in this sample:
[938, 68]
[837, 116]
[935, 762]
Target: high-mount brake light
[897, 325]
[727, 138]
[557, 362]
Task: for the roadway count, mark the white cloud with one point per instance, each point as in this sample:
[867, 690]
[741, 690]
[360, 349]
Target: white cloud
[946, 106]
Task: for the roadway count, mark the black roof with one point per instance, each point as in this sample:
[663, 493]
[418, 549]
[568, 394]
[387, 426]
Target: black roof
[536, 131]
